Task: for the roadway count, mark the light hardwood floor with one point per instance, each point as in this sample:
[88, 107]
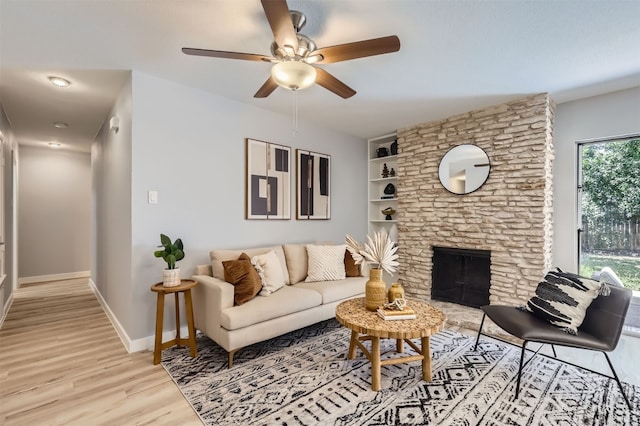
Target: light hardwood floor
[62, 363]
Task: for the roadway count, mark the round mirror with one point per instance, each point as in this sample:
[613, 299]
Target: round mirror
[464, 168]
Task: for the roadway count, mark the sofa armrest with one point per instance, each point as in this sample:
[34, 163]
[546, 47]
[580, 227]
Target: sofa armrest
[211, 296]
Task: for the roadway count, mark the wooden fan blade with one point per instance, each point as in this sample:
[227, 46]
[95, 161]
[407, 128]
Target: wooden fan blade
[279, 19]
[359, 49]
[227, 55]
[332, 84]
[267, 88]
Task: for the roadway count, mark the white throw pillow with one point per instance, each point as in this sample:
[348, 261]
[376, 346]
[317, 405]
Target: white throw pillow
[296, 255]
[270, 271]
[326, 263]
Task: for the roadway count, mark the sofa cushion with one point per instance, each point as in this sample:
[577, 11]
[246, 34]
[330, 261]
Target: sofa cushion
[244, 277]
[218, 256]
[332, 291]
[350, 267]
[325, 262]
[297, 261]
[287, 300]
[270, 272]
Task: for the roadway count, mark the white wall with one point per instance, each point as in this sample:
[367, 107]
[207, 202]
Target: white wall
[53, 212]
[189, 146]
[613, 114]
[10, 150]
[111, 206]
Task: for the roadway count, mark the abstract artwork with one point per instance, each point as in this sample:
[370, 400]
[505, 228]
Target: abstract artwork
[268, 184]
[313, 185]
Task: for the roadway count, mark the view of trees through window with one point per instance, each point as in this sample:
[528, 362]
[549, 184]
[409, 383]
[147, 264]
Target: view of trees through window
[610, 208]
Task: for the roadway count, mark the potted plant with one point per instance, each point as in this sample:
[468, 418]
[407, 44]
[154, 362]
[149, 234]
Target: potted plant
[380, 253]
[170, 253]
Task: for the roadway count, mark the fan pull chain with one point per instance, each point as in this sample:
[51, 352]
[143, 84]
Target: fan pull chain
[295, 113]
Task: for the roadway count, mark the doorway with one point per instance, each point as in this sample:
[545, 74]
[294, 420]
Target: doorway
[609, 215]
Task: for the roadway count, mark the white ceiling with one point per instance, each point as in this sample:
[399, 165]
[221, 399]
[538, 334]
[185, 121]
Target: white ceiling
[455, 56]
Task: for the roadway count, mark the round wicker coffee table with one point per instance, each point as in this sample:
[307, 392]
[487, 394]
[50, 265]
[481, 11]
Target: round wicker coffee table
[367, 325]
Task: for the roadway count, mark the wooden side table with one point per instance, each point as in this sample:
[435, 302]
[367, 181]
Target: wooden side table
[429, 320]
[185, 288]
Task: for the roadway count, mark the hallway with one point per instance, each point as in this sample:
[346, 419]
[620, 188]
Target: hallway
[62, 363]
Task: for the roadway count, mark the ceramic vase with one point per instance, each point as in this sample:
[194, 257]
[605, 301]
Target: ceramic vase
[375, 293]
[171, 277]
[396, 292]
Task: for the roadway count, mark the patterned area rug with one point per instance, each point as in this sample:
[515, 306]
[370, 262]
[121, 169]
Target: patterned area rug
[304, 378]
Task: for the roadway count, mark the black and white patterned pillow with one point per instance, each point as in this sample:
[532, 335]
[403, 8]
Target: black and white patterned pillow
[562, 299]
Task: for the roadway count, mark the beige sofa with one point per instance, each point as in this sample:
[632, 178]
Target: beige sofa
[296, 305]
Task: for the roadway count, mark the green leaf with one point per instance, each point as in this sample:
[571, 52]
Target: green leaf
[166, 241]
[171, 261]
[179, 255]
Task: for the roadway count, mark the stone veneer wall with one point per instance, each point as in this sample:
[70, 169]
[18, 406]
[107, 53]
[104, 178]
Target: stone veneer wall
[511, 214]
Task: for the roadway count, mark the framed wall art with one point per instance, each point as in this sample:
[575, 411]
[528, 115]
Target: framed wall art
[313, 182]
[268, 180]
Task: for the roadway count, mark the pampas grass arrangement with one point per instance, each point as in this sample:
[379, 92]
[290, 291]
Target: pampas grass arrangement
[379, 251]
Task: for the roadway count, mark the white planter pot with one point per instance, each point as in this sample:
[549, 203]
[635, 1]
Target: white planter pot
[171, 277]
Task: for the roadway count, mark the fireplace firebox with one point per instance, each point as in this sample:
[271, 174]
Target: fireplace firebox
[461, 276]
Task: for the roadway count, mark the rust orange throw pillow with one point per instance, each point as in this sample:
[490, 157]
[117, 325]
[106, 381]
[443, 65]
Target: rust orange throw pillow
[350, 267]
[244, 277]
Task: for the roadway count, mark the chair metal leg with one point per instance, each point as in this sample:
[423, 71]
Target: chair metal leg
[524, 344]
[553, 348]
[615, 375]
[475, 347]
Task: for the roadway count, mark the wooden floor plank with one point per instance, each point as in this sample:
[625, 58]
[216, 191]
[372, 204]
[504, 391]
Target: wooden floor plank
[62, 363]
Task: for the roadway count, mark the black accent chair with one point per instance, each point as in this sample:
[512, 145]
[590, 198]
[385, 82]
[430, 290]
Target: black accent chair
[600, 330]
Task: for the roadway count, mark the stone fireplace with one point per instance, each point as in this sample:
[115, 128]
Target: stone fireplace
[509, 216]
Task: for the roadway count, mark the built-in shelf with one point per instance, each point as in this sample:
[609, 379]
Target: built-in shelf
[376, 187]
[386, 159]
[377, 184]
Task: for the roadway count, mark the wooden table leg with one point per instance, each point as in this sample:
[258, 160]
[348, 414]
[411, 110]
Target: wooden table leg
[157, 349]
[426, 359]
[177, 319]
[190, 324]
[400, 346]
[375, 363]
[352, 345]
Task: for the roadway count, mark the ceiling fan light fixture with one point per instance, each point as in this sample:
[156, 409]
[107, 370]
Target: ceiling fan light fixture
[315, 58]
[59, 81]
[305, 46]
[293, 75]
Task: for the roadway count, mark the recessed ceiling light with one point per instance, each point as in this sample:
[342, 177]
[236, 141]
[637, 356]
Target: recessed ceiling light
[60, 125]
[54, 145]
[59, 81]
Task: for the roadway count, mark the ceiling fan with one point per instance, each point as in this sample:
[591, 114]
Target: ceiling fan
[294, 53]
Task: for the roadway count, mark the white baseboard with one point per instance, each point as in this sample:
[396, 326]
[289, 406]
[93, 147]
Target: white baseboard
[54, 277]
[137, 345]
[5, 308]
[122, 334]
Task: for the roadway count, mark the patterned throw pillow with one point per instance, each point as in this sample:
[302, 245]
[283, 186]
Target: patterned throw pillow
[244, 277]
[563, 298]
[326, 263]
